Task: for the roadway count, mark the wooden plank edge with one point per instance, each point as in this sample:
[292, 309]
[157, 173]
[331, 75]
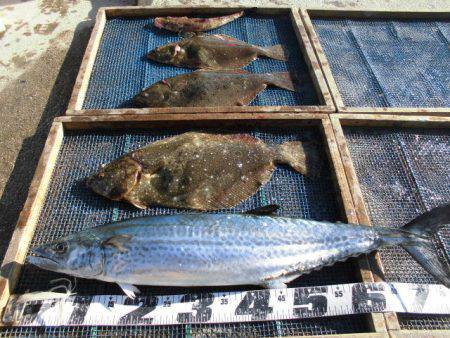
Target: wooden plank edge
[87, 64]
[322, 58]
[424, 121]
[28, 218]
[142, 11]
[376, 14]
[438, 111]
[377, 319]
[420, 334]
[351, 335]
[310, 57]
[201, 110]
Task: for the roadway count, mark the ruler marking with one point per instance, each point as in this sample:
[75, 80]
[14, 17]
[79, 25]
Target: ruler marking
[231, 307]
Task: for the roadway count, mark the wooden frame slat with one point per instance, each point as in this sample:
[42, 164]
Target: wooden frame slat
[307, 14]
[376, 120]
[27, 223]
[75, 106]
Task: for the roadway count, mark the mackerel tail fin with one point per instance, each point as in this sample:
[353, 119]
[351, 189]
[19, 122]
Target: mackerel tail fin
[274, 52]
[303, 157]
[420, 246]
[282, 80]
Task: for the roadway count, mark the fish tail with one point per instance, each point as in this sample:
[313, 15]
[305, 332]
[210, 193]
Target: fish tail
[303, 157]
[274, 52]
[282, 80]
[417, 241]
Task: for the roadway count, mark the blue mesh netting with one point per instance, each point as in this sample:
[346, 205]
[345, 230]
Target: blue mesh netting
[70, 207]
[122, 71]
[379, 63]
[403, 173]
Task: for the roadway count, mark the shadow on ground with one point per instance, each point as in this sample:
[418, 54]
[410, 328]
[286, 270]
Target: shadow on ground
[17, 96]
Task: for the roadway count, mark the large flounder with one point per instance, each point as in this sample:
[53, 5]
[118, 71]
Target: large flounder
[199, 171]
[213, 52]
[211, 89]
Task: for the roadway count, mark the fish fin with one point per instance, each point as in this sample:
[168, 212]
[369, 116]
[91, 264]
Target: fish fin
[264, 210]
[303, 157]
[215, 70]
[274, 52]
[282, 79]
[246, 99]
[278, 283]
[420, 245]
[129, 289]
[134, 201]
[117, 241]
[226, 37]
[188, 35]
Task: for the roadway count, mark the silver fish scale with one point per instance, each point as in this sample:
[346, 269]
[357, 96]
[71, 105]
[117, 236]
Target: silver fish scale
[194, 250]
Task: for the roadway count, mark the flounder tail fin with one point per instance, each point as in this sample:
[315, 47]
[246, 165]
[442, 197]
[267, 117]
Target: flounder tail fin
[282, 80]
[274, 52]
[420, 246]
[301, 156]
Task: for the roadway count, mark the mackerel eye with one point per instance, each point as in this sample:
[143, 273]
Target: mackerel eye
[60, 247]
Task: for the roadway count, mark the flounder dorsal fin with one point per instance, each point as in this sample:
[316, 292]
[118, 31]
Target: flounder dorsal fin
[264, 210]
[226, 37]
[229, 71]
[117, 242]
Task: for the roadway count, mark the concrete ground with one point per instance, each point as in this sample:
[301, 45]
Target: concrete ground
[42, 43]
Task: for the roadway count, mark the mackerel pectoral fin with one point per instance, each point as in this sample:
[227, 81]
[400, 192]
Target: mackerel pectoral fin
[117, 242]
[129, 289]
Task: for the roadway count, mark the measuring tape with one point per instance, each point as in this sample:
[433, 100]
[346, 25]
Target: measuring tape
[224, 307]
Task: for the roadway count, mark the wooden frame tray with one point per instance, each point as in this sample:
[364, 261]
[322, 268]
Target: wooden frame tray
[75, 106]
[309, 14]
[24, 231]
[339, 121]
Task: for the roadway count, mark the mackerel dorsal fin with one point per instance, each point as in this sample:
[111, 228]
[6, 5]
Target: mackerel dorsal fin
[264, 210]
[117, 242]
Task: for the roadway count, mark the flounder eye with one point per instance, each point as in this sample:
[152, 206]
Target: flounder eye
[60, 247]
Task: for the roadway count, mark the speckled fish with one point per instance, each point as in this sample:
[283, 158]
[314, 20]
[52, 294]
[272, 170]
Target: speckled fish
[184, 24]
[213, 52]
[199, 171]
[210, 89]
[229, 249]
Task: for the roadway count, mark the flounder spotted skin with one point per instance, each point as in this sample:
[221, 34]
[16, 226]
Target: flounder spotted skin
[213, 52]
[198, 170]
[184, 24]
[210, 89]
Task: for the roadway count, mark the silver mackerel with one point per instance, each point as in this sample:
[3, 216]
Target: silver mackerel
[228, 249]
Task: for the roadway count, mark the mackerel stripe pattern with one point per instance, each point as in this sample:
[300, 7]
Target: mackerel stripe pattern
[226, 307]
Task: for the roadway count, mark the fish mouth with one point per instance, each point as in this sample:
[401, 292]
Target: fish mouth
[41, 260]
